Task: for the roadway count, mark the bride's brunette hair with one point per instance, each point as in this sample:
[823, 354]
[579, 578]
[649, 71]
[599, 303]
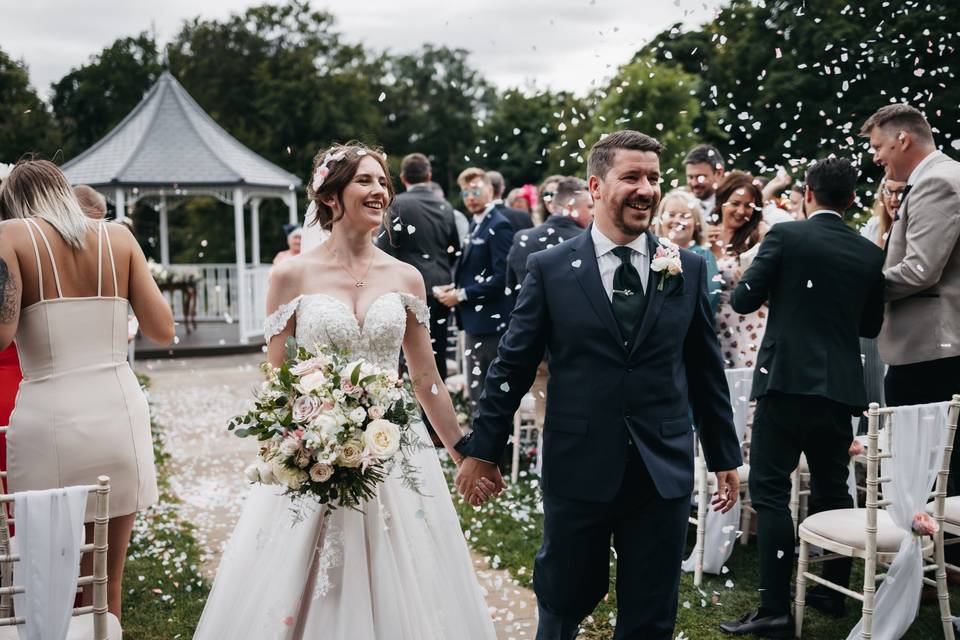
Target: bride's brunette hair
[38, 189]
[333, 169]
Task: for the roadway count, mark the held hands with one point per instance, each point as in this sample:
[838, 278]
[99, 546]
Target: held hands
[477, 481]
[728, 490]
[446, 295]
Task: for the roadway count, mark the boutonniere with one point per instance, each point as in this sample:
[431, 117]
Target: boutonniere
[667, 259]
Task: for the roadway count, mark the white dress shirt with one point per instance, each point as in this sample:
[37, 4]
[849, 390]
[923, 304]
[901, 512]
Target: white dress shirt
[608, 261]
[819, 211]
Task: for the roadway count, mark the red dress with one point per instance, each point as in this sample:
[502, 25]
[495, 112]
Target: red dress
[10, 377]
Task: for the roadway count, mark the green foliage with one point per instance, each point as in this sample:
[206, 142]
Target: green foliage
[656, 98]
[93, 98]
[25, 122]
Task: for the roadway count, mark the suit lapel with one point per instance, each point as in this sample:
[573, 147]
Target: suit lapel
[654, 296]
[478, 232]
[583, 261]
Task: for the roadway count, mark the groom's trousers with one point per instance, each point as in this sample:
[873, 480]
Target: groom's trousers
[785, 425]
[572, 569]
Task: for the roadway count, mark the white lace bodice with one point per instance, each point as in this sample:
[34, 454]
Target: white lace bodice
[325, 319]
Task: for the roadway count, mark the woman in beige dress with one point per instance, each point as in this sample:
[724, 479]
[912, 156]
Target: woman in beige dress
[65, 285]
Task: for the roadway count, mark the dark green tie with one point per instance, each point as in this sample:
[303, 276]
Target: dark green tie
[628, 298]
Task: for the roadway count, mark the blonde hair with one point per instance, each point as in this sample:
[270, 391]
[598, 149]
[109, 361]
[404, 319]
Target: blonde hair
[687, 197]
[470, 174]
[38, 189]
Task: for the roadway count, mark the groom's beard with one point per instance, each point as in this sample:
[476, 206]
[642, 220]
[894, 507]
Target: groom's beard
[626, 220]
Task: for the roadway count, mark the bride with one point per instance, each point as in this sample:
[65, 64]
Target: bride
[400, 568]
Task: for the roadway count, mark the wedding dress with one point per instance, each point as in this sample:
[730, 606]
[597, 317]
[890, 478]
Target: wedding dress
[398, 570]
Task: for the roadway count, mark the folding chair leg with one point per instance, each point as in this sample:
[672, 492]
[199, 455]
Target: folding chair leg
[795, 498]
[801, 596]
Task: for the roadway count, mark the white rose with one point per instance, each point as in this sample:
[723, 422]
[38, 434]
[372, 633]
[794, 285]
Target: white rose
[252, 472]
[358, 415]
[382, 438]
[311, 382]
[659, 264]
[265, 471]
[350, 453]
[321, 472]
[375, 412]
[306, 408]
[289, 446]
[327, 426]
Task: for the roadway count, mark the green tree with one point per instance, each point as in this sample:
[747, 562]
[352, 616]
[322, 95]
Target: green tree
[25, 122]
[656, 98]
[434, 102]
[92, 99]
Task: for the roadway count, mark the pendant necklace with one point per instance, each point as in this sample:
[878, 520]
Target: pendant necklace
[357, 282]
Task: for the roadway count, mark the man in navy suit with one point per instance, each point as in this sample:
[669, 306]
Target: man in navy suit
[632, 349]
[478, 293]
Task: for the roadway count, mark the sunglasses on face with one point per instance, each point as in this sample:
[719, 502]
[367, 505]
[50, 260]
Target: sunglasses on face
[471, 193]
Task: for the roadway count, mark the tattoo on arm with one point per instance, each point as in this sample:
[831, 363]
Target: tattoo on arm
[9, 309]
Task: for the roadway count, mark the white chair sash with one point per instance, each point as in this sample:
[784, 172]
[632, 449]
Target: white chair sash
[721, 528]
[49, 534]
[917, 442]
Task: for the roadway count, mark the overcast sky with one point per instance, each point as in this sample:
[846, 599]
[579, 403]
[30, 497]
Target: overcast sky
[561, 44]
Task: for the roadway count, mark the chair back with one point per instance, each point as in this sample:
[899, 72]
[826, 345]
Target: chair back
[98, 579]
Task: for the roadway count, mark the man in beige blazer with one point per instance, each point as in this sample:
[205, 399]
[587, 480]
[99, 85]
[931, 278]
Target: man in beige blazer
[920, 339]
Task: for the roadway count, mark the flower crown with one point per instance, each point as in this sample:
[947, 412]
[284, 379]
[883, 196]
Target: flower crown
[323, 170]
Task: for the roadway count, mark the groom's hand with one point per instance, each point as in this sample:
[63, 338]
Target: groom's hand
[728, 490]
[477, 481]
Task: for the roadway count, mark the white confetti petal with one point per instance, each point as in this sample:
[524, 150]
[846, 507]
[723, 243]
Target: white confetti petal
[576, 264]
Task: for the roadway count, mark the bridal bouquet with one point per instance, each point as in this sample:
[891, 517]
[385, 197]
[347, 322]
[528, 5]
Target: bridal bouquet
[331, 428]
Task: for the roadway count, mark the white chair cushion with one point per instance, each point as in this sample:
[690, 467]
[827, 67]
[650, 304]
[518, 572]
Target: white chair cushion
[81, 628]
[848, 527]
[951, 510]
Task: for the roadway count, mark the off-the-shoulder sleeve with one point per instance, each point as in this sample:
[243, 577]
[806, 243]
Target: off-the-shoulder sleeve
[419, 308]
[277, 320]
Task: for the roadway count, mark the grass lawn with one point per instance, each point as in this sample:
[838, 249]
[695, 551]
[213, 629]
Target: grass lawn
[508, 529]
[163, 591]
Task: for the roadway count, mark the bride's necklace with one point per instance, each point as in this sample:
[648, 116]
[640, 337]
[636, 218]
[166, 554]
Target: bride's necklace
[357, 282]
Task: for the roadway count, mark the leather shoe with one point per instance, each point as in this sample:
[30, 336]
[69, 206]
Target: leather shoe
[779, 626]
[828, 602]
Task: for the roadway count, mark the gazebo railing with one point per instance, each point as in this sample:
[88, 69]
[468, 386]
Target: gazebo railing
[216, 292]
[251, 324]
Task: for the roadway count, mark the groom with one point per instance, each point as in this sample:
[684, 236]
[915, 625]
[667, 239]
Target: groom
[631, 350]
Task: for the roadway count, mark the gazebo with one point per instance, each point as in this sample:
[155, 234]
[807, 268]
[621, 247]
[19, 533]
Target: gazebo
[167, 150]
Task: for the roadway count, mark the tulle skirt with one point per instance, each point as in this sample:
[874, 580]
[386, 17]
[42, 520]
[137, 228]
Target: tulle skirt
[398, 570]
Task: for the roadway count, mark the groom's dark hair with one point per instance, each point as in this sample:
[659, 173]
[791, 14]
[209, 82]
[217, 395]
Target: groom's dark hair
[603, 152]
[833, 182]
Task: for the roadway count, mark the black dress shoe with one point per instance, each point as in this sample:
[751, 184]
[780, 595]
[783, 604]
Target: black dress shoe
[828, 602]
[780, 626]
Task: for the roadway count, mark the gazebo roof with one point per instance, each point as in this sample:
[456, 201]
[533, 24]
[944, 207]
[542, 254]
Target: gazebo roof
[169, 140]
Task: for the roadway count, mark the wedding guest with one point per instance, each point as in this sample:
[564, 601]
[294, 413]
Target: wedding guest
[294, 239]
[824, 284]
[573, 214]
[738, 209]
[10, 377]
[885, 207]
[545, 193]
[423, 233]
[479, 279]
[517, 199]
[92, 202]
[680, 221]
[463, 225]
[704, 169]
[795, 206]
[80, 412]
[518, 219]
[920, 339]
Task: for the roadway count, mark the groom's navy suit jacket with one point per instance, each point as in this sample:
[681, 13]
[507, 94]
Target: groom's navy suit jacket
[601, 393]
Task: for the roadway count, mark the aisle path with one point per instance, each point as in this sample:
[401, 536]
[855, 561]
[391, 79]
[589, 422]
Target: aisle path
[193, 399]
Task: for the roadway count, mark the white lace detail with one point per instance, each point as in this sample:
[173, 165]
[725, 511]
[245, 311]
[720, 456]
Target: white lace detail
[331, 555]
[277, 320]
[420, 310]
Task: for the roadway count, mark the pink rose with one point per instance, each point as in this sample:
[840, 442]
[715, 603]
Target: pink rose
[351, 389]
[321, 472]
[924, 524]
[306, 408]
[307, 366]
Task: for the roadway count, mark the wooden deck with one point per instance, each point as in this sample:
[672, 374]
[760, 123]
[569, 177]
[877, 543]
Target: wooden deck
[208, 339]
